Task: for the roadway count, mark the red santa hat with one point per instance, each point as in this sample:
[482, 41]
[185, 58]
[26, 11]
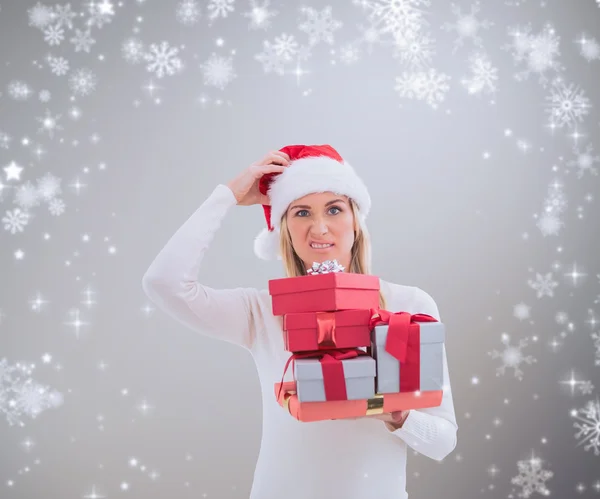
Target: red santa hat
[312, 169]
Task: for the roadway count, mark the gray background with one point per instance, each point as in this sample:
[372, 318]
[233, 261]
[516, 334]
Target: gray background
[445, 217]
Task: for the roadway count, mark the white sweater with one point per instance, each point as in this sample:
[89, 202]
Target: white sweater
[349, 459]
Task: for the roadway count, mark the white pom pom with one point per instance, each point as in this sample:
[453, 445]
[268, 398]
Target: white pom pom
[266, 245]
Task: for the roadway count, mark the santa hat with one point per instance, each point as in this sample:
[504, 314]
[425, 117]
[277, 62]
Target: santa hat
[312, 169]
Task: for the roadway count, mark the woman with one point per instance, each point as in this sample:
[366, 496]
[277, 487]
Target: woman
[309, 195]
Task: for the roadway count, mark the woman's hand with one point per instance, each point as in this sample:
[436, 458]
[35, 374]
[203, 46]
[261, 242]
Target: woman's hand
[245, 185]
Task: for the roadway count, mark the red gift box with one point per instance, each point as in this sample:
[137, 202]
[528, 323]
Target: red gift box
[327, 330]
[324, 293]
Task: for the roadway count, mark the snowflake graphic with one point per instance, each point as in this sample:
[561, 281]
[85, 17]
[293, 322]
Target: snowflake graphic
[260, 15]
[162, 60]
[285, 46]
[54, 35]
[270, 59]
[483, 75]
[218, 71]
[220, 8]
[429, 86]
[40, 16]
[63, 15]
[82, 81]
[596, 338]
[585, 161]
[543, 284]
[589, 48]
[319, 27]
[58, 65]
[512, 357]
[467, 26]
[16, 220]
[49, 123]
[133, 50]
[82, 40]
[539, 53]
[414, 49]
[21, 396]
[567, 104]
[532, 477]
[588, 424]
[19, 90]
[187, 12]
[396, 17]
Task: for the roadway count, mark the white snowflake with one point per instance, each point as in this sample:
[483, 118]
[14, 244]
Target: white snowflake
[21, 396]
[567, 104]
[522, 311]
[532, 477]
[48, 187]
[49, 123]
[285, 46]
[512, 357]
[596, 339]
[58, 65]
[40, 15]
[82, 81]
[539, 52]
[82, 40]
[270, 60]
[319, 27]
[162, 59]
[5, 139]
[429, 86]
[54, 35]
[589, 48]
[260, 15]
[395, 16]
[63, 16]
[544, 285]
[19, 90]
[483, 76]
[26, 196]
[15, 221]
[100, 13]
[349, 53]
[220, 8]
[133, 50]
[588, 424]
[187, 12]
[218, 71]
[416, 50]
[56, 207]
[585, 161]
[549, 224]
[467, 26]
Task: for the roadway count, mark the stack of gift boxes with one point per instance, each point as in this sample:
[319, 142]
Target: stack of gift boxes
[349, 357]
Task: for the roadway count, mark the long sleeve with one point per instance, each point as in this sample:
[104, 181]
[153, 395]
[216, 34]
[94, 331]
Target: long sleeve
[432, 431]
[171, 280]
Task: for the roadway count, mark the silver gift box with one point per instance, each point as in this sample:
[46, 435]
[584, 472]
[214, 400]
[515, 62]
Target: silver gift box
[431, 370]
[359, 373]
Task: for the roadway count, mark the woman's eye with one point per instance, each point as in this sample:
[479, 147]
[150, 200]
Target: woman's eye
[332, 208]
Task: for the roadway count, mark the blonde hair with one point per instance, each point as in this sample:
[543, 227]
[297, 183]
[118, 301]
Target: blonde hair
[360, 253]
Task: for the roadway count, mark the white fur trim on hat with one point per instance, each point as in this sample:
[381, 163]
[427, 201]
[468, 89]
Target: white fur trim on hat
[307, 176]
[266, 245]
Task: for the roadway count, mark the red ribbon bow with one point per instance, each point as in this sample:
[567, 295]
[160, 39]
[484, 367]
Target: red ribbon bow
[403, 342]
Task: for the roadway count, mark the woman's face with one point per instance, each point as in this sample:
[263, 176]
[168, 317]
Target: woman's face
[322, 217]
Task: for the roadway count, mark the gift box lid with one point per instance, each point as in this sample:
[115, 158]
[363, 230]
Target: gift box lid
[430, 332]
[323, 281]
[357, 367]
[308, 320]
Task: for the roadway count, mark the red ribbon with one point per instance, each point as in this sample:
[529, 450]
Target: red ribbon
[333, 370]
[403, 342]
[326, 330]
